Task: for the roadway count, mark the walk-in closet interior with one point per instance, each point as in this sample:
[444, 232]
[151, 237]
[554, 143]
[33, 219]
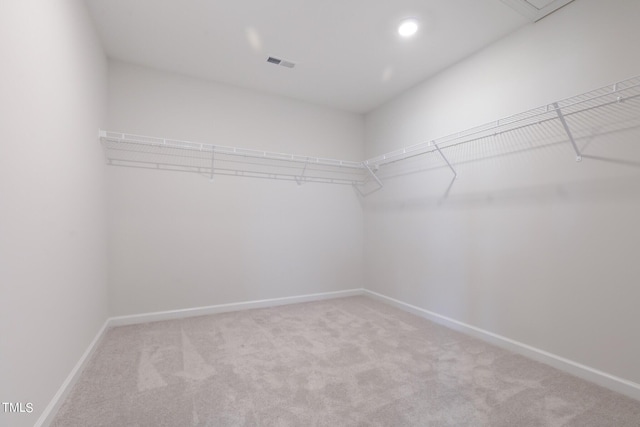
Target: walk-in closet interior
[307, 213]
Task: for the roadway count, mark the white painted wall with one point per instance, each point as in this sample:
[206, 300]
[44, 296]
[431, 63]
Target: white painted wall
[534, 247]
[179, 241]
[53, 270]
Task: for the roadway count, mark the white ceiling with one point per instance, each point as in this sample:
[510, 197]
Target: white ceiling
[348, 54]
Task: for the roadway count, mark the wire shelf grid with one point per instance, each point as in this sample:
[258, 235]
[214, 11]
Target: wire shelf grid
[158, 153]
[611, 108]
[575, 121]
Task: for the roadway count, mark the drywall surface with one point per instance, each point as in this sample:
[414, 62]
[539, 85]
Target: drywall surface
[533, 246]
[179, 241]
[53, 271]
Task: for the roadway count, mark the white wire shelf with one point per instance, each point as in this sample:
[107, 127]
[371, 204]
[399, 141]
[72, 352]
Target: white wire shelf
[572, 122]
[130, 150]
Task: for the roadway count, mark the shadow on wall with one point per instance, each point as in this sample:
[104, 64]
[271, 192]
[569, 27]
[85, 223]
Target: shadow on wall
[619, 188]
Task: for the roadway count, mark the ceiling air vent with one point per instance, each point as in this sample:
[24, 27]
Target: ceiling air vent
[282, 62]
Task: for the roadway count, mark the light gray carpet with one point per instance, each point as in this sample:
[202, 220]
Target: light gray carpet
[343, 362]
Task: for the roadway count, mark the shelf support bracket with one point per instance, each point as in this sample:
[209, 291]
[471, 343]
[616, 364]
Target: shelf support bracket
[455, 174]
[213, 158]
[568, 131]
[375, 178]
[300, 179]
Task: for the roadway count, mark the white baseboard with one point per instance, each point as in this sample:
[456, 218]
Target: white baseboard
[601, 378]
[612, 382]
[223, 308]
[51, 410]
[54, 405]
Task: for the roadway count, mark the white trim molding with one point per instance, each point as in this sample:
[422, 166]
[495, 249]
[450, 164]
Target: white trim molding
[612, 382]
[58, 399]
[596, 376]
[54, 405]
[224, 308]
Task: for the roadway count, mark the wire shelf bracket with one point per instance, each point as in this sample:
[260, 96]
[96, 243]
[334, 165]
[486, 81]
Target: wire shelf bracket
[568, 130]
[455, 174]
[375, 178]
[300, 179]
[213, 169]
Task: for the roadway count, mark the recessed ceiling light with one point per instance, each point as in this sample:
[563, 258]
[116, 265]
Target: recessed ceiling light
[408, 27]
